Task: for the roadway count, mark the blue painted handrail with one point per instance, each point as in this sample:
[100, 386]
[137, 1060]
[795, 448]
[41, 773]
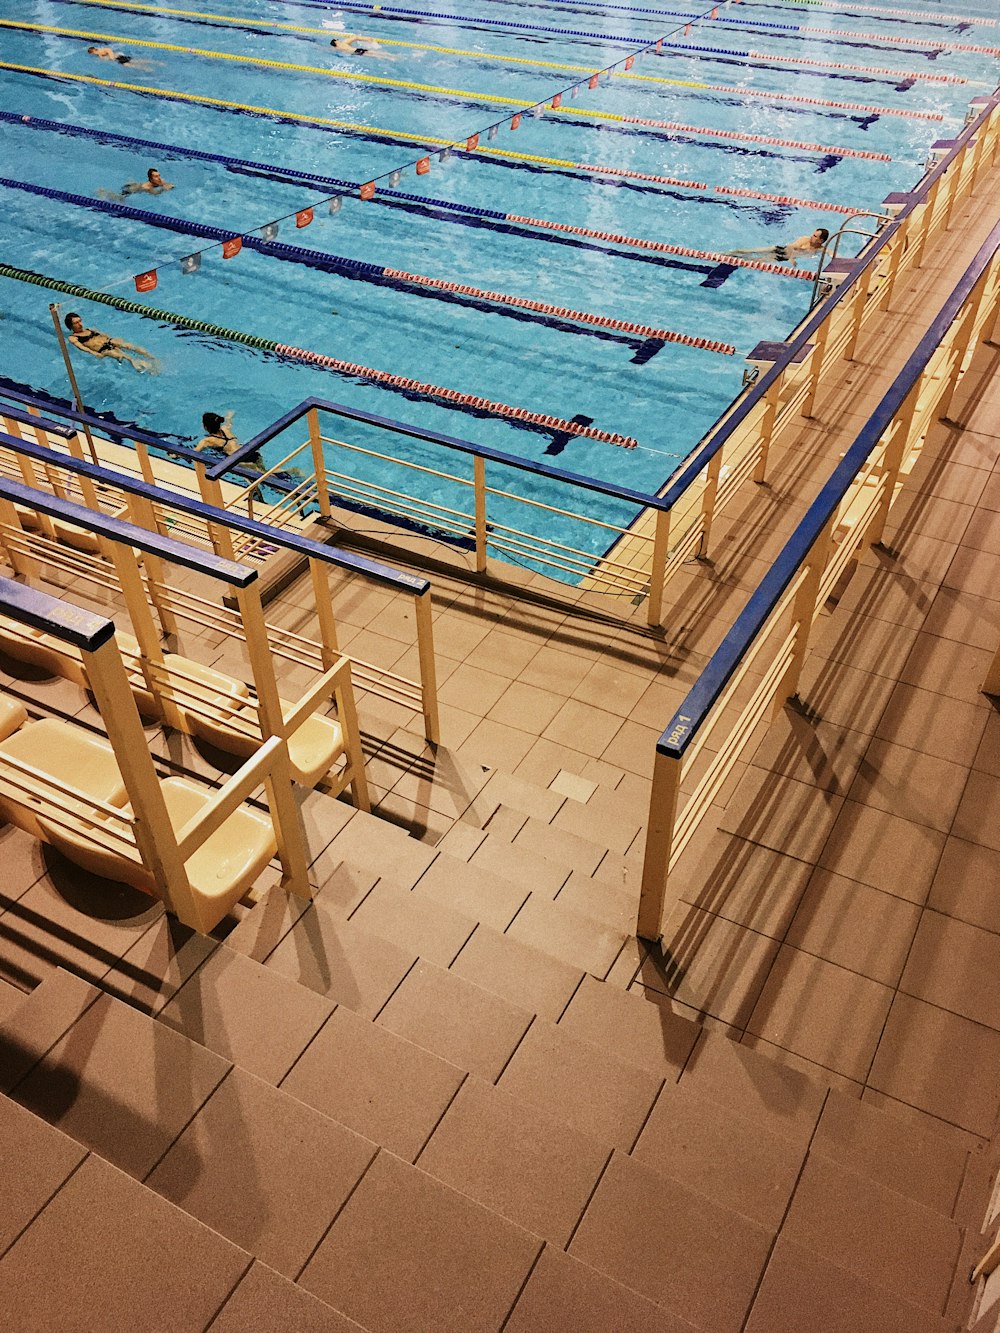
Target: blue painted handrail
[118, 530]
[187, 504]
[70, 624]
[707, 689]
[26, 419]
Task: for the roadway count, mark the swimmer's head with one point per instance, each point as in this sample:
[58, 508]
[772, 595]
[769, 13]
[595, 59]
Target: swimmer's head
[212, 422]
[822, 235]
[92, 50]
[154, 177]
[72, 320]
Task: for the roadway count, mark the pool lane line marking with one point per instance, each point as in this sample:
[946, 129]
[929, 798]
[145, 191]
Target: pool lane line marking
[197, 99]
[844, 8]
[810, 63]
[309, 180]
[365, 271]
[583, 113]
[381, 377]
[765, 94]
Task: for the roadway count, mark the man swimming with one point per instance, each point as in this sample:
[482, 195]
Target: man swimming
[349, 45]
[109, 53]
[785, 254]
[153, 184]
[102, 345]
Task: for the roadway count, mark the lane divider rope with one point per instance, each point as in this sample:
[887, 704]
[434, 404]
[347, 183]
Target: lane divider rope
[447, 395]
[308, 179]
[400, 137]
[766, 94]
[810, 63]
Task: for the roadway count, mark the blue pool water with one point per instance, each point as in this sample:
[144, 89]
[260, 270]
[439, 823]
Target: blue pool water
[879, 58]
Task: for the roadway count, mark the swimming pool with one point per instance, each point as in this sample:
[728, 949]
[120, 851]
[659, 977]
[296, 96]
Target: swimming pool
[855, 94]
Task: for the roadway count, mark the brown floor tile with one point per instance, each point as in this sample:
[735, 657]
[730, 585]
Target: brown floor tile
[66, 1271]
[976, 818]
[23, 860]
[430, 928]
[954, 966]
[460, 1022]
[615, 906]
[527, 707]
[263, 1170]
[801, 1290]
[922, 720]
[348, 965]
[472, 892]
[39, 1021]
[821, 1074]
[562, 1292]
[822, 1012]
[231, 1006]
[472, 688]
[841, 696]
[742, 881]
[710, 964]
[559, 845]
[788, 816]
[885, 1238]
[607, 818]
[401, 1224]
[263, 928]
[951, 669]
[545, 759]
[266, 1302]
[732, 1158]
[503, 653]
[583, 728]
[35, 1159]
[591, 1091]
[496, 744]
[924, 1166]
[987, 758]
[875, 847]
[632, 748]
[924, 1059]
[158, 964]
[122, 1084]
[641, 1029]
[522, 975]
[607, 687]
[964, 617]
[811, 752]
[515, 1159]
[10, 999]
[370, 843]
[520, 865]
[375, 1083]
[708, 1272]
[965, 884]
[854, 926]
[575, 939]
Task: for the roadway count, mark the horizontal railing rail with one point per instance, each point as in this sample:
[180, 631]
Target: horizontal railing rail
[787, 379]
[849, 514]
[420, 695]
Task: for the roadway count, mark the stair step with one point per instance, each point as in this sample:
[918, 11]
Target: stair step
[515, 1159]
[267, 1301]
[556, 844]
[436, 932]
[35, 1160]
[884, 1237]
[602, 900]
[452, 1018]
[108, 1253]
[477, 893]
[672, 1245]
[608, 818]
[338, 959]
[565, 1293]
[104, 1083]
[372, 843]
[591, 1090]
[503, 789]
[542, 877]
[875, 1143]
[641, 1029]
[576, 939]
[247, 1013]
[401, 1224]
[382, 1086]
[525, 976]
[38, 1022]
[728, 1157]
[263, 1169]
[801, 1290]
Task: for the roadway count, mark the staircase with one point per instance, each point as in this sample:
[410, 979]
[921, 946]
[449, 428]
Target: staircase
[431, 1100]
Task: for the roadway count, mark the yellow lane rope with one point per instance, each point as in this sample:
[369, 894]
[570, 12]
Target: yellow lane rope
[583, 113]
[202, 100]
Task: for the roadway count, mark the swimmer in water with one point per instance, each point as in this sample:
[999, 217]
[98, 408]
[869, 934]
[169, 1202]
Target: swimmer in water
[786, 254]
[153, 184]
[109, 53]
[102, 345]
[219, 438]
[348, 44]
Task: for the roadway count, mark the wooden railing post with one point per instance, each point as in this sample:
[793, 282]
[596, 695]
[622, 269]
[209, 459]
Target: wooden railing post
[319, 462]
[816, 365]
[658, 573]
[479, 482]
[858, 313]
[803, 613]
[211, 492]
[428, 667]
[654, 904]
[895, 455]
[709, 496]
[772, 400]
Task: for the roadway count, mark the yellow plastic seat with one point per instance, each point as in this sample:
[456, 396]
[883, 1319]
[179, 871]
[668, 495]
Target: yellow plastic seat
[26, 644]
[230, 691]
[313, 747]
[13, 714]
[74, 758]
[219, 872]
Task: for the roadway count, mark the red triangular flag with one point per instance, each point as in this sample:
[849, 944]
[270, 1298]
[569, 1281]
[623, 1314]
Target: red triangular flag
[592, 81]
[515, 121]
[423, 166]
[303, 217]
[472, 143]
[367, 190]
[232, 247]
[557, 102]
[145, 282]
[629, 61]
